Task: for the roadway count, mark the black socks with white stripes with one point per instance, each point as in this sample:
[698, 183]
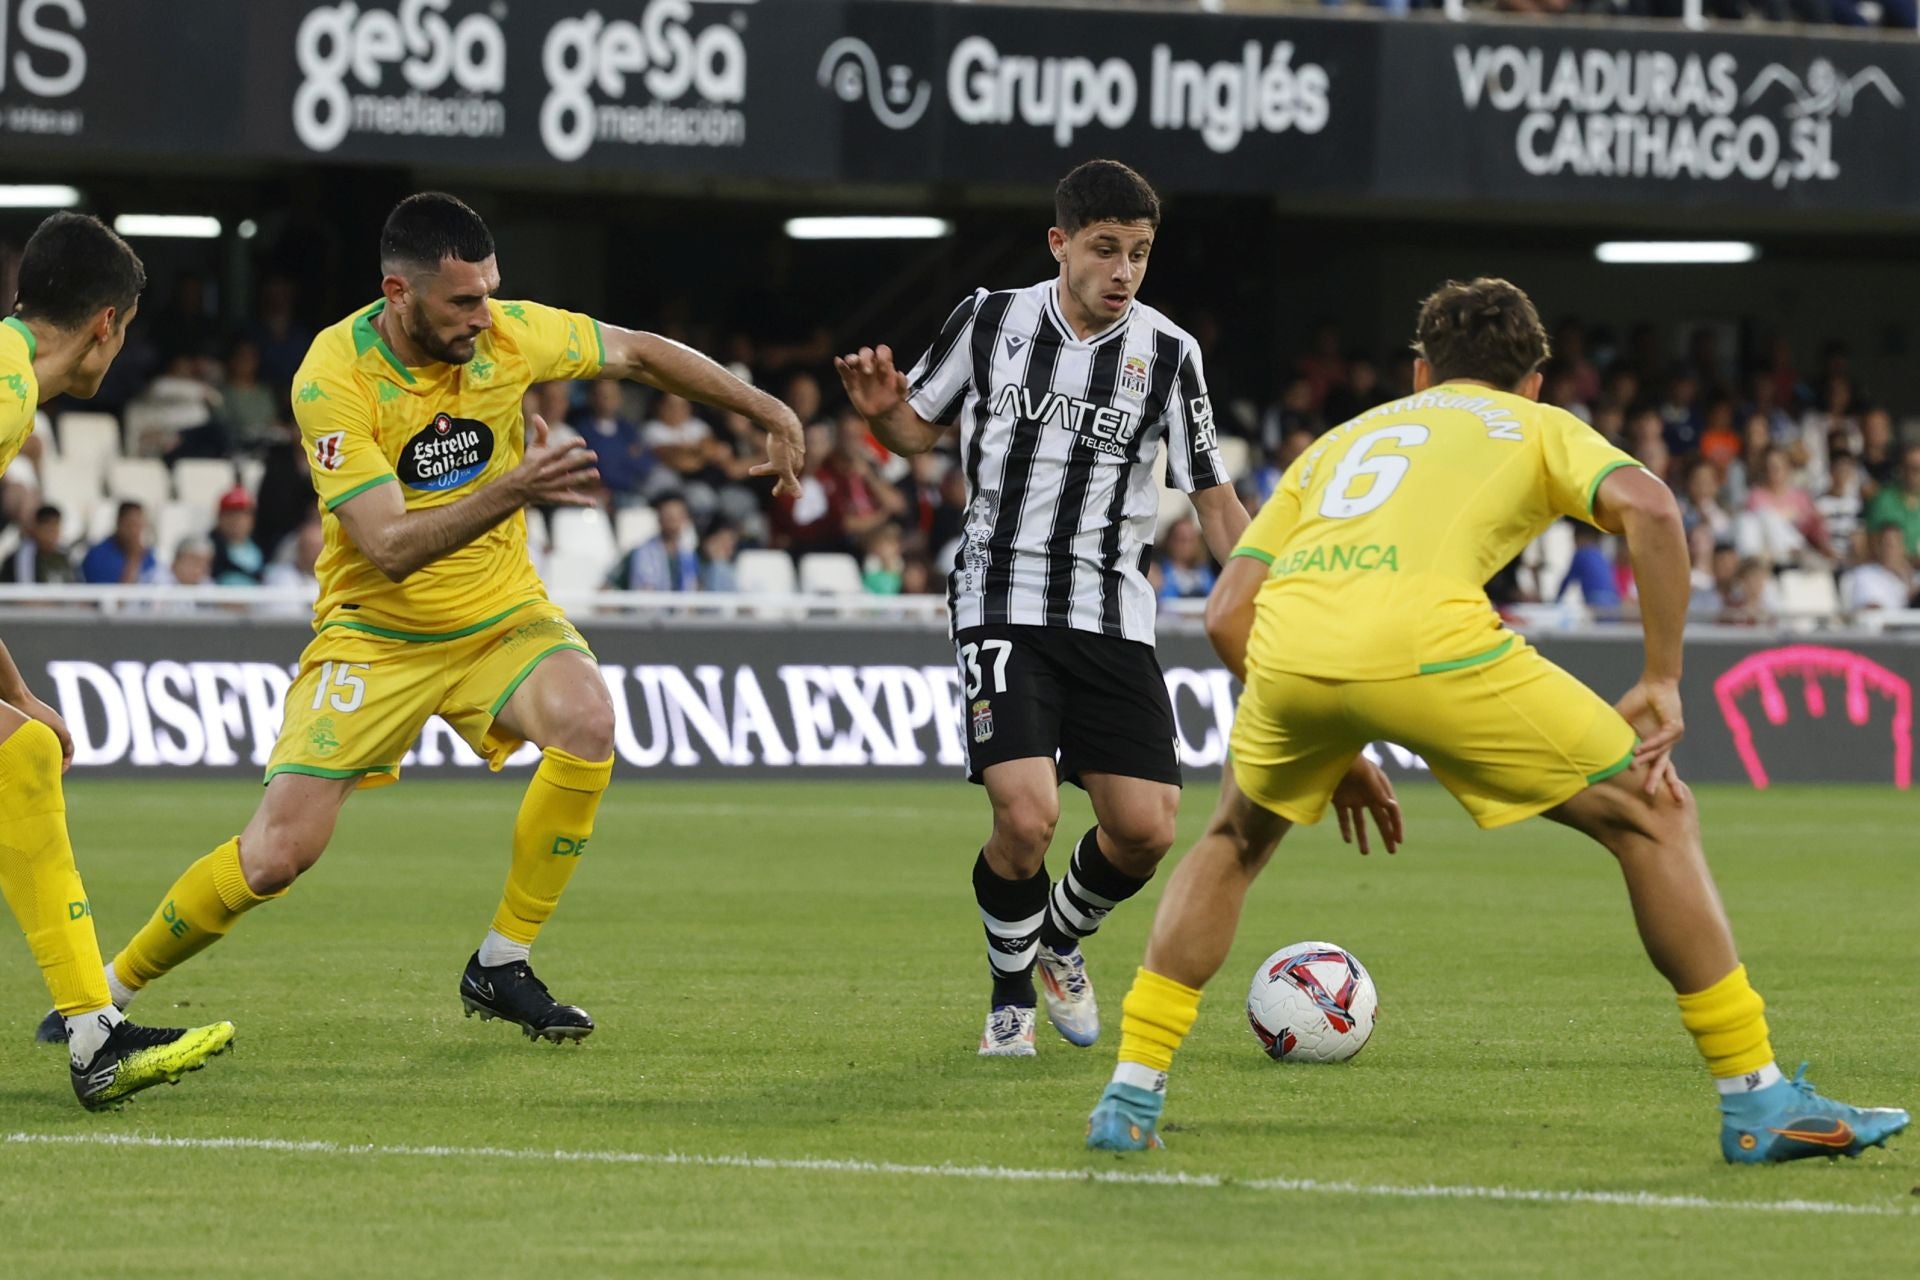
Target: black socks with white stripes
[1091, 888]
[1012, 911]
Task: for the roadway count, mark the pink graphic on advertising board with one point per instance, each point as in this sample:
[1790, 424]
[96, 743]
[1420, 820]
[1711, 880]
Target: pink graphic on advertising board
[1861, 680]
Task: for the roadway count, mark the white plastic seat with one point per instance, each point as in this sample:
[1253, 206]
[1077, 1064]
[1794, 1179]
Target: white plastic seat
[830, 573]
[1808, 593]
[143, 480]
[573, 573]
[537, 535]
[634, 525]
[251, 471]
[1237, 456]
[200, 482]
[764, 573]
[583, 536]
[89, 441]
[74, 489]
[1554, 557]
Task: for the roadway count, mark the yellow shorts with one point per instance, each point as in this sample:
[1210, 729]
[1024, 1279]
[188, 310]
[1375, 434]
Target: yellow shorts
[1510, 737]
[363, 695]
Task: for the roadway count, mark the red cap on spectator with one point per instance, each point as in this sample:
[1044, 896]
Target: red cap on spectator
[236, 499]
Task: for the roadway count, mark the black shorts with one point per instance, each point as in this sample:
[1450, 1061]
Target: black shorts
[1097, 703]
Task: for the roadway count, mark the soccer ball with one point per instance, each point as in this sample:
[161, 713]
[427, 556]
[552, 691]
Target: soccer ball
[1312, 1002]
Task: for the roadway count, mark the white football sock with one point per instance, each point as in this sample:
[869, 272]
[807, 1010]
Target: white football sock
[497, 948]
[1140, 1076]
[1750, 1082]
[122, 993]
[86, 1032]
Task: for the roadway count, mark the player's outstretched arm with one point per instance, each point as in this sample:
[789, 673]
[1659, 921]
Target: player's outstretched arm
[1635, 505]
[879, 393]
[675, 367]
[402, 542]
[1230, 607]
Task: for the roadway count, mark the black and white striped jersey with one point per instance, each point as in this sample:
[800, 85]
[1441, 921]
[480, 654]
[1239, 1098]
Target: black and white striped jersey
[1058, 438]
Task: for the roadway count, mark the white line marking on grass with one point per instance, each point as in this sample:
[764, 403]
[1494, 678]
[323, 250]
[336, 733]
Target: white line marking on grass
[980, 1173]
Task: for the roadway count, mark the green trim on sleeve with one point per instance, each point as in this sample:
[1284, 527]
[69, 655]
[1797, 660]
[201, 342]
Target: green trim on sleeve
[1434, 668]
[514, 686]
[359, 489]
[1620, 766]
[1252, 553]
[19, 326]
[599, 340]
[1593, 490]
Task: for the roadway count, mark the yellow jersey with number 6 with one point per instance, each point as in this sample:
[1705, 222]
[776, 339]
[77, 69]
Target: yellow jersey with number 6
[1380, 538]
[438, 432]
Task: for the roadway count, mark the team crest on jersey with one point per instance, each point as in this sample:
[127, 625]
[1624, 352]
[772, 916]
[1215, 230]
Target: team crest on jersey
[982, 720]
[445, 454]
[329, 451]
[1133, 377]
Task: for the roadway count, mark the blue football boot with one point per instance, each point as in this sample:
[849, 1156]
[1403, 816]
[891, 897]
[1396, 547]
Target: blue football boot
[1125, 1120]
[1787, 1120]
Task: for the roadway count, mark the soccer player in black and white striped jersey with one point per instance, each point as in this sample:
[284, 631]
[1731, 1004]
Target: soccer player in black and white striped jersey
[1062, 393]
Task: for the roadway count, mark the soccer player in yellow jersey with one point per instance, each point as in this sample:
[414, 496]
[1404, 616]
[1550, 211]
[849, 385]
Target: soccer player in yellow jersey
[1353, 610]
[409, 410]
[79, 287]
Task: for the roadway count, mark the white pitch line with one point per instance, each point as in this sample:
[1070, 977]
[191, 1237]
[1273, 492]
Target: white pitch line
[981, 1173]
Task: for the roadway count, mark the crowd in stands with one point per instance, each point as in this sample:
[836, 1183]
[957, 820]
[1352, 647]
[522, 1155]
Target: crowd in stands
[1798, 495]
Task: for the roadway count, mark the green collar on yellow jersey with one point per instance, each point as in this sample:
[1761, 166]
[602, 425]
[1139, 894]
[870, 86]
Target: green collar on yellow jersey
[365, 336]
[20, 326]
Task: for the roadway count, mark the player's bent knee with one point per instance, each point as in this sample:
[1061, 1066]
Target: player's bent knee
[1027, 827]
[589, 734]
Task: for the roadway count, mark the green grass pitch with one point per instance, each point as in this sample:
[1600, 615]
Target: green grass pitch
[791, 972]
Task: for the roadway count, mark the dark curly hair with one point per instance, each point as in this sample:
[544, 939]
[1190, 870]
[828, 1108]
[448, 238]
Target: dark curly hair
[1485, 329]
[1103, 191]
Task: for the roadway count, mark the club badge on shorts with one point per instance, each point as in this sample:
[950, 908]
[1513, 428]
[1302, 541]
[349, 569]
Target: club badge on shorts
[982, 720]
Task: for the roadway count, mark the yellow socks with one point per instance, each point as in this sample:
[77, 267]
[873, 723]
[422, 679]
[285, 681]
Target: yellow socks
[197, 912]
[37, 874]
[1728, 1022]
[1155, 1017]
[549, 836]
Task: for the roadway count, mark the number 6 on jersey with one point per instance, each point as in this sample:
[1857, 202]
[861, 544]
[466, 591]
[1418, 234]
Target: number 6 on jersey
[1386, 470]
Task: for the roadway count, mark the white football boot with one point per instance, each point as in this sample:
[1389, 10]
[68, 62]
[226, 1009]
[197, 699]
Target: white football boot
[1009, 1033]
[1070, 1003]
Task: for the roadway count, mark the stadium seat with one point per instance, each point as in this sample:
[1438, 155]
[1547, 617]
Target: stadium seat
[174, 523]
[634, 525]
[251, 470]
[143, 480]
[199, 482]
[583, 546]
[764, 573]
[830, 573]
[1551, 555]
[537, 535]
[1808, 594]
[573, 575]
[75, 489]
[89, 441]
[43, 427]
[1237, 455]
[151, 428]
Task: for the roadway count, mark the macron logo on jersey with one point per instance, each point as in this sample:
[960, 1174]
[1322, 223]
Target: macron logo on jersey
[329, 451]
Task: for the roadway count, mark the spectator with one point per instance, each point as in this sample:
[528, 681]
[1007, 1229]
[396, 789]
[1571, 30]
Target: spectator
[1680, 417]
[681, 444]
[1753, 598]
[1295, 412]
[920, 490]
[1570, 350]
[192, 564]
[1703, 557]
[1763, 399]
[1700, 503]
[1185, 571]
[1884, 582]
[916, 577]
[668, 561]
[1782, 525]
[615, 441]
[1322, 367]
[803, 397]
[293, 564]
[1591, 569]
[1746, 471]
[842, 496]
[1610, 420]
[950, 517]
[1360, 393]
[1841, 504]
[1833, 425]
[1899, 504]
[1879, 458]
[284, 498]
[884, 568]
[251, 411]
[122, 557]
[1719, 442]
[237, 559]
[281, 340]
[718, 550]
[41, 558]
[178, 408]
[553, 401]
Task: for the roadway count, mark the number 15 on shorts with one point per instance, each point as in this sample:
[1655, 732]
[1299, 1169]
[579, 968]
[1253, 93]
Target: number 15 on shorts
[979, 710]
[341, 680]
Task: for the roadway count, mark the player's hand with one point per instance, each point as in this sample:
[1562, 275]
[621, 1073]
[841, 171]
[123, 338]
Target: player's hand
[1652, 707]
[46, 715]
[786, 451]
[555, 474]
[1366, 790]
[873, 384]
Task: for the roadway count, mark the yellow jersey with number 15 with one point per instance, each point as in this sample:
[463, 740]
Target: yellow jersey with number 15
[437, 432]
[1380, 538]
[19, 389]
